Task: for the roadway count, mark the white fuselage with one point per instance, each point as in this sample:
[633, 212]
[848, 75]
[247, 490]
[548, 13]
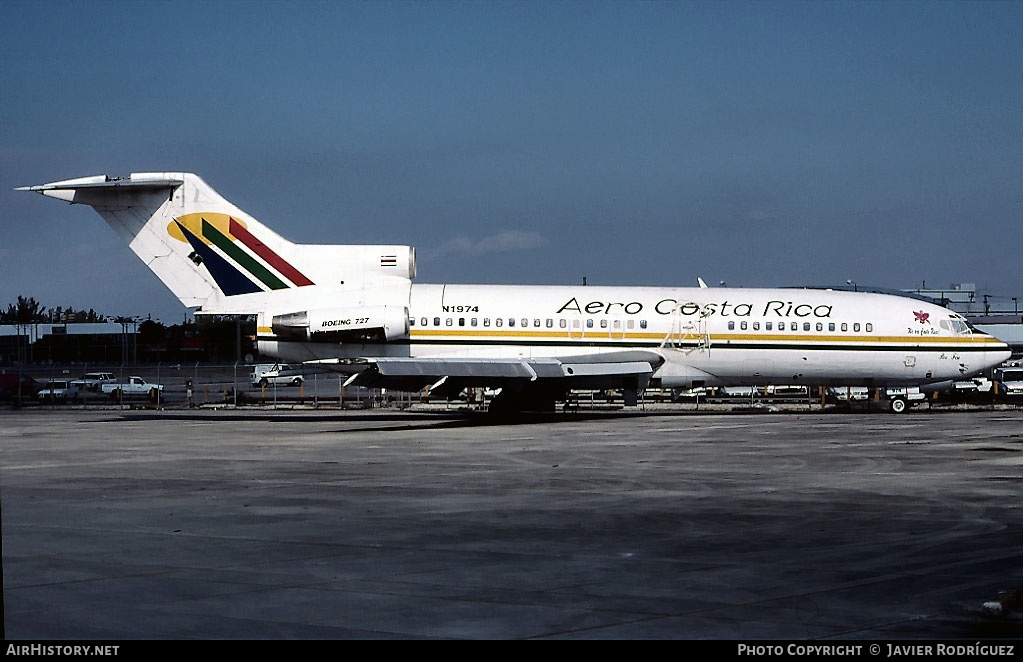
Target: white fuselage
[343, 305]
[705, 336]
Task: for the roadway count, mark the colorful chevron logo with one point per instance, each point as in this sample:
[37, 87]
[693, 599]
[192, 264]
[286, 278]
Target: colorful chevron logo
[244, 264]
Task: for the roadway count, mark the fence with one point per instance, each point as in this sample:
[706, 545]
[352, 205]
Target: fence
[190, 385]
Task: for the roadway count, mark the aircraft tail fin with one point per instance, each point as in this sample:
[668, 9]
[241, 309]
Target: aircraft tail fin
[214, 256]
[200, 245]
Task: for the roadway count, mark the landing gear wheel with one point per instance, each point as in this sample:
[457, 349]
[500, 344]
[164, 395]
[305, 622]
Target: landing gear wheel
[263, 382]
[898, 405]
[504, 406]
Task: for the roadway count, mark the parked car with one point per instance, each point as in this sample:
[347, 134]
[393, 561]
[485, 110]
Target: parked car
[92, 381]
[971, 386]
[788, 390]
[846, 393]
[690, 394]
[11, 384]
[134, 386]
[57, 390]
[740, 391]
[1010, 382]
[275, 373]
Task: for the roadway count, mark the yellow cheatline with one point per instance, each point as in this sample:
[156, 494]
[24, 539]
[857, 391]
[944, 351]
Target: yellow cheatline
[559, 335]
[193, 222]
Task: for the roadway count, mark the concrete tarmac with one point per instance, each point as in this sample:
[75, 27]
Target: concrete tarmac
[248, 525]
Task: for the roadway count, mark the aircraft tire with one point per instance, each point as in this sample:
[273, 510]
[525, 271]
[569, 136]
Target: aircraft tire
[504, 407]
[898, 405]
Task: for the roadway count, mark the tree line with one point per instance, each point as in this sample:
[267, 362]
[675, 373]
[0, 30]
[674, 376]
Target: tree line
[29, 311]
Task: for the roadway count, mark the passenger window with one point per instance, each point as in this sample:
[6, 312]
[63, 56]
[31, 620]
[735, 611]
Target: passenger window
[511, 321]
[550, 324]
[767, 326]
[436, 321]
[756, 326]
[412, 321]
[575, 324]
[731, 326]
[461, 321]
[820, 326]
[856, 326]
[742, 325]
[536, 323]
[806, 326]
[831, 326]
[642, 324]
[618, 324]
[562, 323]
[845, 327]
[425, 322]
[447, 322]
[525, 323]
[589, 324]
[781, 326]
[486, 321]
[870, 327]
[631, 324]
[603, 324]
[472, 322]
[498, 322]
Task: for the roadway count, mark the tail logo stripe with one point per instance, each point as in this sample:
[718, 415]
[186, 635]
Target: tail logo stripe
[241, 257]
[240, 232]
[230, 280]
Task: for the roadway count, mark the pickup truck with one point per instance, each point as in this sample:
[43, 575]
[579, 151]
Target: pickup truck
[134, 386]
[92, 381]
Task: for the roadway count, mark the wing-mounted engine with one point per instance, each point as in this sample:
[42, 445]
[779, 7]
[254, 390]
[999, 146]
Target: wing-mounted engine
[362, 324]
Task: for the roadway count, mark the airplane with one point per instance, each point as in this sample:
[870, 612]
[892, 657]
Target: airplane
[354, 309]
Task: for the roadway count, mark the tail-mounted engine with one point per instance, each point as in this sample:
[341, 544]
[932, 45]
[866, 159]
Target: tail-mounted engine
[365, 324]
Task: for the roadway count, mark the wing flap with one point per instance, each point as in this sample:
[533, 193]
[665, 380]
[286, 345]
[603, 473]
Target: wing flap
[416, 373]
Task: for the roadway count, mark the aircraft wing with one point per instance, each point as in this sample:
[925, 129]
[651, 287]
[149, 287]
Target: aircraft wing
[629, 369]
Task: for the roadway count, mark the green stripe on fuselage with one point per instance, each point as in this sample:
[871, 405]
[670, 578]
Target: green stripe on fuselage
[241, 257]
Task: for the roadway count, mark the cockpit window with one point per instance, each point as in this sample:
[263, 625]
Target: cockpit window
[957, 325]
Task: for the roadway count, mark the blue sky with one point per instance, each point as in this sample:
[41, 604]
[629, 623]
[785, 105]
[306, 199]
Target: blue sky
[634, 143]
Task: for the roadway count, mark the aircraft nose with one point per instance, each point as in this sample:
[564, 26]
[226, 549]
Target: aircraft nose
[1000, 355]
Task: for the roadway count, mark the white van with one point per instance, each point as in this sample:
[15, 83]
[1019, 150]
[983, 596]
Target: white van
[265, 374]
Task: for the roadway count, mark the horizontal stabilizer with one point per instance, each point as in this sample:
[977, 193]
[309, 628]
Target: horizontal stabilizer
[65, 190]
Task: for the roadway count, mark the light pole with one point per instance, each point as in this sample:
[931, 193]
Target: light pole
[853, 283]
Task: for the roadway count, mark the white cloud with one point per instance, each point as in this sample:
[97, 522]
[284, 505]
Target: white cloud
[502, 242]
